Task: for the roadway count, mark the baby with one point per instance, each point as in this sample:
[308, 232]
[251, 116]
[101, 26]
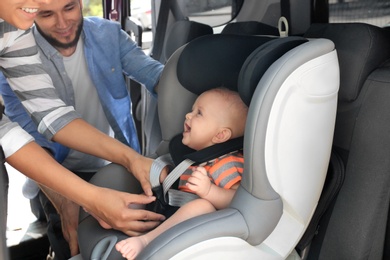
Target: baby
[217, 116]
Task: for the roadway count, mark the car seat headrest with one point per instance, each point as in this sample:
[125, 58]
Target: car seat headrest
[250, 28]
[260, 60]
[208, 62]
[356, 56]
[183, 32]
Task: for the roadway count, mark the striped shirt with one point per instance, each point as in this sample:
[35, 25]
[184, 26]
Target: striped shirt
[21, 65]
[225, 171]
[12, 136]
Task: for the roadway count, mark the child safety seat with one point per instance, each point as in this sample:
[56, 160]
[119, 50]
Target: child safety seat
[290, 85]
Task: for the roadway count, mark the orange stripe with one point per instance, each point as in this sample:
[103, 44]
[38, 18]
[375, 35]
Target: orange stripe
[184, 188]
[232, 182]
[185, 177]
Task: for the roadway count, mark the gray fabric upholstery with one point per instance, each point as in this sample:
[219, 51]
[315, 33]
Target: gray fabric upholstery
[90, 232]
[182, 32]
[354, 227]
[4, 253]
[361, 48]
[250, 28]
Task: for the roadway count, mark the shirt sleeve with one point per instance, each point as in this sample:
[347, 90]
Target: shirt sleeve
[12, 137]
[227, 171]
[16, 113]
[138, 66]
[22, 67]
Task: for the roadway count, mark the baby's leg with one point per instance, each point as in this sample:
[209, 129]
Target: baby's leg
[131, 247]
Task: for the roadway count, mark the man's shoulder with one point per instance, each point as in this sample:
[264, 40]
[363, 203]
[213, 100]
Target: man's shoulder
[97, 29]
[94, 21]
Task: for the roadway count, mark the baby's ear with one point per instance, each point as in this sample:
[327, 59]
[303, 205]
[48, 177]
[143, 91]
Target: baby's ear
[223, 135]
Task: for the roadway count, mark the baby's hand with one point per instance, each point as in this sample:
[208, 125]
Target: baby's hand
[164, 174]
[199, 182]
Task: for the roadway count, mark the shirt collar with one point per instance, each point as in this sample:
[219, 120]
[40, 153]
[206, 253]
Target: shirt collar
[45, 47]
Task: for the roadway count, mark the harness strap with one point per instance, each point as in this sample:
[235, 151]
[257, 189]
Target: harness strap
[175, 174]
[184, 157]
[175, 198]
[157, 166]
[178, 198]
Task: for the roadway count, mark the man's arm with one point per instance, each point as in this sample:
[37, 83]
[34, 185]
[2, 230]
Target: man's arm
[109, 205]
[16, 113]
[137, 65]
[34, 87]
[81, 136]
[61, 123]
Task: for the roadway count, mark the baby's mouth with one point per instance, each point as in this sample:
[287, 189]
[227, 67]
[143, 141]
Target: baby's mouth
[187, 128]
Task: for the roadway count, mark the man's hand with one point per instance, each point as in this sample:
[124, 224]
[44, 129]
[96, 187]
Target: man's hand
[69, 213]
[114, 208]
[199, 182]
[140, 167]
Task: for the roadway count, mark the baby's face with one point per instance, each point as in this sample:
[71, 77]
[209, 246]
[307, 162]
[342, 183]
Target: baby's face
[204, 121]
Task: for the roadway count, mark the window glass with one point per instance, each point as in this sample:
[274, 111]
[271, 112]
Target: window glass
[142, 11]
[376, 12]
[211, 12]
[93, 8]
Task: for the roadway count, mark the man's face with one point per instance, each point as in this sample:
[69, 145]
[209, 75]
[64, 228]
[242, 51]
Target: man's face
[60, 22]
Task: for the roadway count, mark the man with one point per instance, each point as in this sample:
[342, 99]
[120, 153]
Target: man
[86, 59]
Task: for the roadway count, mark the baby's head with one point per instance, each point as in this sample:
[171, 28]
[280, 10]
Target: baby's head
[217, 116]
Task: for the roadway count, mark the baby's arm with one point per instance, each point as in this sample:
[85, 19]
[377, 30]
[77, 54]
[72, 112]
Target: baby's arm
[200, 183]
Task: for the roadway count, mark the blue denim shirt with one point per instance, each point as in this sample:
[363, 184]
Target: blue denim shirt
[109, 53]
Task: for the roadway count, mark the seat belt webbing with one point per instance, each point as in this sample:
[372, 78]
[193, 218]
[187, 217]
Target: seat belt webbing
[175, 197]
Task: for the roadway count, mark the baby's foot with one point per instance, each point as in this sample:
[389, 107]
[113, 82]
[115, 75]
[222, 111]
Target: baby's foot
[131, 247]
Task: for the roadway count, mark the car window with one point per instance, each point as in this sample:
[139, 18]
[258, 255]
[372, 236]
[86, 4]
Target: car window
[93, 8]
[367, 11]
[142, 11]
[211, 12]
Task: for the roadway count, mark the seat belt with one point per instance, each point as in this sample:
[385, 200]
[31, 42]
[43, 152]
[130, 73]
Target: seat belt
[285, 9]
[160, 30]
[334, 181]
[175, 198]
[186, 158]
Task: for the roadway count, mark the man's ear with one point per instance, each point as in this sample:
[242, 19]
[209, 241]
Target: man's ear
[223, 135]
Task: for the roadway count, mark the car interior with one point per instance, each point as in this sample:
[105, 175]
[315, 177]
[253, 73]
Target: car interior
[316, 78]
[266, 69]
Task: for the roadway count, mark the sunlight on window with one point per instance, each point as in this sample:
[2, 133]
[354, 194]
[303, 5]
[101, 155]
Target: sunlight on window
[93, 8]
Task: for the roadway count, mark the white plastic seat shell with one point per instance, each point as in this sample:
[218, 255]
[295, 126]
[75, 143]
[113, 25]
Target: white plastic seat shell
[288, 142]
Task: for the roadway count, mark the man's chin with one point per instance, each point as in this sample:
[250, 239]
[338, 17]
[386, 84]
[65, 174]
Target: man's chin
[67, 44]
